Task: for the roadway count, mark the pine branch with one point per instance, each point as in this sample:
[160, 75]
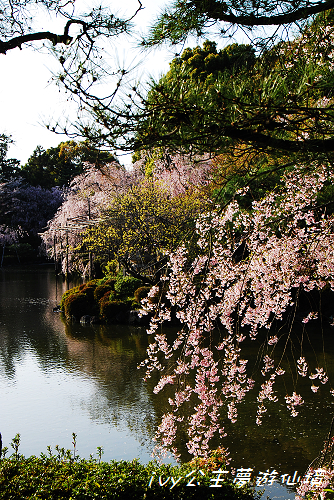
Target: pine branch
[217, 10]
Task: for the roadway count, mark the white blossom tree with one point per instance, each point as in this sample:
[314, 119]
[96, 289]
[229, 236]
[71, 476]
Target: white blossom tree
[87, 195]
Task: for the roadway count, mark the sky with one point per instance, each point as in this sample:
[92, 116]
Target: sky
[29, 100]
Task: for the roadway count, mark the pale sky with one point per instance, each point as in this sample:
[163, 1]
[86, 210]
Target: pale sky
[28, 99]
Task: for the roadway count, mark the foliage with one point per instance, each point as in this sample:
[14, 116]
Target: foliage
[81, 152]
[65, 475]
[140, 225]
[253, 173]
[206, 63]
[111, 268]
[88, 194]
[9, 167]
[126, 285]
[251, 266]
[58, 166]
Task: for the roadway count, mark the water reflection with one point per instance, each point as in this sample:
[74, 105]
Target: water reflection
[58, 378]
[111, 355]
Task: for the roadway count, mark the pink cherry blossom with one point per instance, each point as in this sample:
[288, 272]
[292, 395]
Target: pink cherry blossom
[290, 248]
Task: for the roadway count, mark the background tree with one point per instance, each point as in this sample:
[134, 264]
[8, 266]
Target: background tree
[9, 167]
[24, 212]
[88, 194]
[139, 227]
[58, 166]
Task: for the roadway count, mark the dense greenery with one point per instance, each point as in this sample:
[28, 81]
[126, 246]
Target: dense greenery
[272, 103]
[202, 63]
[139, 227]
[64, 476]
[8, 166]
[109, 299]
[58, 166]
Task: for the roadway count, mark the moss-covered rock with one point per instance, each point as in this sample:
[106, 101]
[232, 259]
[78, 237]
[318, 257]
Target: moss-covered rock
[110, 300]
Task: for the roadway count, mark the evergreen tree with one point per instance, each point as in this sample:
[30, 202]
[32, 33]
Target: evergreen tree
[58, 166]
[9, 167]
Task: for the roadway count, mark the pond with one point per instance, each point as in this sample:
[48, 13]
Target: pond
[58, 378]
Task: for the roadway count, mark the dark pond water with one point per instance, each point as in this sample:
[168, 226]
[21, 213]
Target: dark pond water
[57, 378]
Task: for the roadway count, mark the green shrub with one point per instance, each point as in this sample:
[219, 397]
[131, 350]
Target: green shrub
[126, 285]
[77, 305]
[61, 476]
[86, 289]
[89, 289]
[71, 291]
[101, 290]
[107, 297]
[111, 269]
[113, 310]
[100, 297]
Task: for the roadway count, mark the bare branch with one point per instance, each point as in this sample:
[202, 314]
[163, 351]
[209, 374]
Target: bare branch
[32, 37]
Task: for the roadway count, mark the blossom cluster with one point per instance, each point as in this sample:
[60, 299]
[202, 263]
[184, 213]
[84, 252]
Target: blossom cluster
[87, 195]
[288, 247]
